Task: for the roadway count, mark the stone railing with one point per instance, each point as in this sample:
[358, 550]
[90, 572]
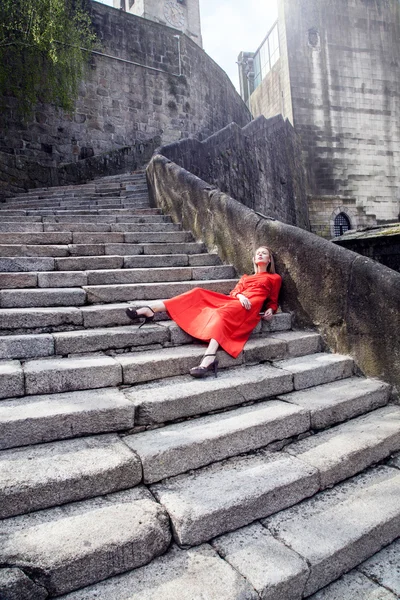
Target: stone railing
[353, 301]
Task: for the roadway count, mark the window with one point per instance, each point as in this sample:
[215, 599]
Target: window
[266, 56]
[341, 225]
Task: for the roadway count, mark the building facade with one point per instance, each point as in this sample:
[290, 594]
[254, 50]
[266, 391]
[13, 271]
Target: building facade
[332, 69]
[180, 14]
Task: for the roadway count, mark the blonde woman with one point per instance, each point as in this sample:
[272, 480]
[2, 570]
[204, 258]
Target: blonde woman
[225, 321]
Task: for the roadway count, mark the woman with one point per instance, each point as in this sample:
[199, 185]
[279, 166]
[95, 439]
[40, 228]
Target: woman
[221, 320]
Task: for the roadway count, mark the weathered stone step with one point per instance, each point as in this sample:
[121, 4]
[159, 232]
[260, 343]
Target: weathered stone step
[358, 518]
[14, 264]
[227, 495]
[149, 291]
[48, 475]
[166, 333]
[178, 448]
[119, 227]
[73, 237]
[308, 371]
[356, 586]
[197, 573]
[94, 294]
[171, 401]
[340, 400]
[78, 544]
[121, 249]
[44, 418]
[116, 212]
[136, 201]
[342, 451]
[159, 218]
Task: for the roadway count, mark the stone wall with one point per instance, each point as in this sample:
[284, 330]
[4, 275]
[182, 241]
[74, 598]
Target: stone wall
[324, 209]
[380, 244]
[353, 301]
[343, 61]
[259, 165]
[121, 103]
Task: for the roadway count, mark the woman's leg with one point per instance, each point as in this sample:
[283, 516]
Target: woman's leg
[157, 306]
[211, 349]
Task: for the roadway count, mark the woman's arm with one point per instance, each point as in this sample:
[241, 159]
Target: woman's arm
[272, 302]
[239, 287]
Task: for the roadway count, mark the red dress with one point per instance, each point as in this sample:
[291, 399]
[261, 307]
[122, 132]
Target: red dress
[205, 315]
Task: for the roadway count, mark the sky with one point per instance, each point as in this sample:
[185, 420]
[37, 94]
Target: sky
[230, 26]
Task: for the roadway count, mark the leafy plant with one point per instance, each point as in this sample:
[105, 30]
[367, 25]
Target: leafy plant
[41, 55]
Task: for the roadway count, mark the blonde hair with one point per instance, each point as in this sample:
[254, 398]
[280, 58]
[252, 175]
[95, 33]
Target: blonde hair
[271, 266]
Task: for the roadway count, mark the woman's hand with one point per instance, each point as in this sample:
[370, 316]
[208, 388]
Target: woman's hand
[245, 302]
[268, 315]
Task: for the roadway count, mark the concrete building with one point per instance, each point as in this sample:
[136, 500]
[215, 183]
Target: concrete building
[332, 69]
[181, 14]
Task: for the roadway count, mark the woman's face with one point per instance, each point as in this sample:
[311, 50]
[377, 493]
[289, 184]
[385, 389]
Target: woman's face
[261, 256]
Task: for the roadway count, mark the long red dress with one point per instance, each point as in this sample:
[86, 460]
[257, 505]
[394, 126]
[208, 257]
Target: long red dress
[205, 315]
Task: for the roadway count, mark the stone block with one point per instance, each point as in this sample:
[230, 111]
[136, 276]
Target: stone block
[18, 280]
[11, 379]
[174, 248]
[105, 315]
[200, 260]
[22, 264]
[195, 573]
[68, 374]
[42, 297]
[177, 448]
[62, 279]
[280, 322]
[105, 536]
[26, 346]
[76, 226]
[145, 261]
[262, 349]
[228, 495]
[275, 571]
[87, 250]
[45, 238]
[97, 238]
[15, 585]
[39, 419]
[213, 272]
[357, 517]
[315, 369]
[30, 318]
[84, 263]
[21, 227]
[300, 343]
[137, 276]
[347, 449]
[157, 237]
[123, 249]
[33, 251]
[341, 400]
[55, 473]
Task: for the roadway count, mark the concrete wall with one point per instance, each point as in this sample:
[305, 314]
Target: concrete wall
[353, 301]
[343, 61]
[121, 103]
[259, 165]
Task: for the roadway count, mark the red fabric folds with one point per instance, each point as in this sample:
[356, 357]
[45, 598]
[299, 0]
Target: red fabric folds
[205, 315]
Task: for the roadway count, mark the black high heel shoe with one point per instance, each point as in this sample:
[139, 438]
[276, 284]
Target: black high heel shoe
[200, 372]
[132, 314]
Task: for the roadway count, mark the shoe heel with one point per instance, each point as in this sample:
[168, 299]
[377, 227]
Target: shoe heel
[215, 365]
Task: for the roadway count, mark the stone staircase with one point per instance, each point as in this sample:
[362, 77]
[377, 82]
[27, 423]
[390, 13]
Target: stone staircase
[122, 478]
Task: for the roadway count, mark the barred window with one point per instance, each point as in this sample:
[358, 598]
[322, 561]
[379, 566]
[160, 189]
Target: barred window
[341, 224]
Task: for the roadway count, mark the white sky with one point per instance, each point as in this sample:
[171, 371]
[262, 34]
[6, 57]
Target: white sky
[230, 26]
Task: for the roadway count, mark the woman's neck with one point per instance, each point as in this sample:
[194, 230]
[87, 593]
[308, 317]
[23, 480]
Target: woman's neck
[261, 268]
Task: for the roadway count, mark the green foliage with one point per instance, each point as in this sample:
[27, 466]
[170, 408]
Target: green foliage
[41, 56]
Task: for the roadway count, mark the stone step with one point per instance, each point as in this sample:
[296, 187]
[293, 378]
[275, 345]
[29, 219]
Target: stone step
[112, 227]
[87, 371]
[342, 451]
[197, 573]
[56, 473]
[121, 249]
[147, 291]
[115, 212]
[178, 448]
[159, 218]
[15, 264]
[230, 494]
[358, 518]
[81, 543]
[94, 294]
[166, 334]
[65, 279]
[183, 398]
[134, 201]
[45, 418]
[73, 237]
[356, 586]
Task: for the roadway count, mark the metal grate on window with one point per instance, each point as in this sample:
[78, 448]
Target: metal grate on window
[341, 224]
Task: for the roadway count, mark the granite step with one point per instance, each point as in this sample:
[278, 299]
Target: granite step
[159, 218]
[309, 371]
[121, 249]
[116, 212]
[65, 279]
[76, 237]
[45, 418]
[15, 264]
[189, 445]
[136, 201]
[175, 399]
[78, 544]
[53, 474]
[112, 227]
